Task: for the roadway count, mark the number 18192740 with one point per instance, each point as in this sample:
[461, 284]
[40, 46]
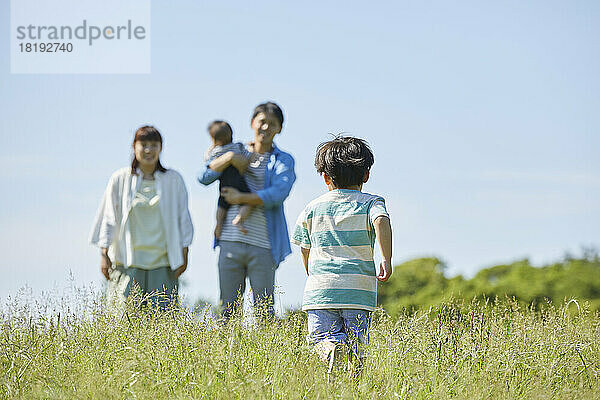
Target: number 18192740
[46, 47]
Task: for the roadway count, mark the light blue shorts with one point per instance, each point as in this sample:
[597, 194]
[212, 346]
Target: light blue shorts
[339, 325]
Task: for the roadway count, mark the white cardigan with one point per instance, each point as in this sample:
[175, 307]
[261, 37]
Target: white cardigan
[111, 227]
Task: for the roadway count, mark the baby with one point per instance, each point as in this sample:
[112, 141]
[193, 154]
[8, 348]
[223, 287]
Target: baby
[221, 135]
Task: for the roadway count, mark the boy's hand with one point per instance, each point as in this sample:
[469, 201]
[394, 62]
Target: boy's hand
[383, 230]
[385, 271]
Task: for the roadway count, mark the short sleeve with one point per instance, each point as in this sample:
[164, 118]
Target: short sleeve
[377, 209]
[301, 235]
[208, 155]
[213, 153]
[244, 151]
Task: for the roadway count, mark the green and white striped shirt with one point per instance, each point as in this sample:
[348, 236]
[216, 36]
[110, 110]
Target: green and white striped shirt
[337, 227]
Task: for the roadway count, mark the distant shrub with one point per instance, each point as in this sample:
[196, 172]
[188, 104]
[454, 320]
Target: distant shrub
[421, 283]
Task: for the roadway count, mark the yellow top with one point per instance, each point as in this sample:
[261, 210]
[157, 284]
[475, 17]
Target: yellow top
[147, 230]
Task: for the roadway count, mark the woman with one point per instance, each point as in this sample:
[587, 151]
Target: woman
[143, 226]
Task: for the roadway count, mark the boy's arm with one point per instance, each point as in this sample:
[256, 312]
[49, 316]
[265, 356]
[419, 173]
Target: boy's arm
[301, 235]
[383, 231]
[305, 254]
[230, 158]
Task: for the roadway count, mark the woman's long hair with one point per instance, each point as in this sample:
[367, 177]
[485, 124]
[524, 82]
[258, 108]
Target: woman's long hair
[150, 134]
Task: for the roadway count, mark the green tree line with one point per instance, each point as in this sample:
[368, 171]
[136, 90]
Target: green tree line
[421, 283]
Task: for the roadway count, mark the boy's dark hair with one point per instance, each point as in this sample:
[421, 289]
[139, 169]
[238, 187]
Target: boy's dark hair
[220, 131]
[269, 108]
[345, 159]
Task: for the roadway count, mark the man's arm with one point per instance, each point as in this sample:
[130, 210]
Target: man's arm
[305, 254]
[281, 183]
[234, 196]
[383, 231]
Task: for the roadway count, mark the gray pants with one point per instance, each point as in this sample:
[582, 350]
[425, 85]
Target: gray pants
[157, 287]
[238, 260]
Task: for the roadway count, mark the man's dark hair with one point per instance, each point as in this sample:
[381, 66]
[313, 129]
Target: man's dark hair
[269, 108]
[345, 159]
[220, 131]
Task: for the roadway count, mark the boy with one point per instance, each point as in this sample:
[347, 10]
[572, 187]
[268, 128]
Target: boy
[336, 233]
[222, 136]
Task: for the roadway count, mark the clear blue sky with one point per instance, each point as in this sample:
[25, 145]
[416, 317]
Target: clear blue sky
[483, 118]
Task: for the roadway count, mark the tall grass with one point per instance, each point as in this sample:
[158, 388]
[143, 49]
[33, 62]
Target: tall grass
[472, 350]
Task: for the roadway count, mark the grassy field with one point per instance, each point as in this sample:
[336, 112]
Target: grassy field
[478, 351]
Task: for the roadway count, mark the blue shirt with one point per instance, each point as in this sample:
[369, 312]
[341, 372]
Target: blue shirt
[279, 179]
